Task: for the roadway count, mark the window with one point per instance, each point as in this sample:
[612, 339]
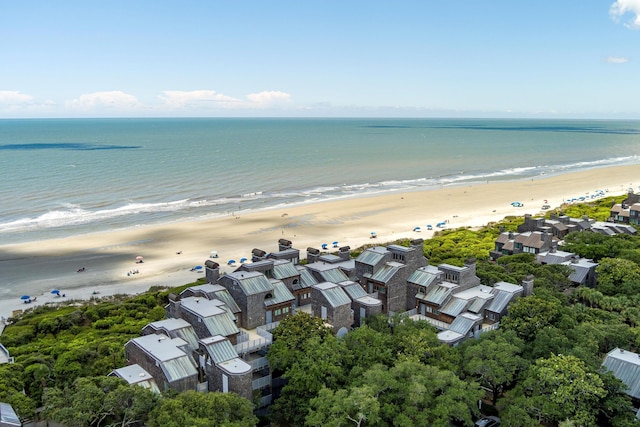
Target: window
[277, 312]
[285, 310]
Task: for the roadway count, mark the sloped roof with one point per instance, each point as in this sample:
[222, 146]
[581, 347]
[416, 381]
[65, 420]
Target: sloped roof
[372, 256]
[284, 269]
[136, 374]
[387, 271]
[464, 323]
[334, 275]
[252, 282]
[625, 365]
[424, 276]
[281, 294]
[455, 306]
[333, 293]
[219, 348]
[8, 416]
[306, 278]
[353, 289]
[437, 294]
[504, 293]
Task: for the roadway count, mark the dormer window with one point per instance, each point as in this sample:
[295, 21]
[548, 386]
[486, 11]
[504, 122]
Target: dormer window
[268, 296]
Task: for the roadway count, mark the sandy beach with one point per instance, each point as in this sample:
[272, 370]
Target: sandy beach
[170, 251]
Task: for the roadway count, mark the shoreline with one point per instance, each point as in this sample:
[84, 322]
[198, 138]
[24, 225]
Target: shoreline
[170, 250]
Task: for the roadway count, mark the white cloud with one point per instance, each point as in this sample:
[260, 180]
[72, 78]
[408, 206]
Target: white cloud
[621, 7]
[13, 97]
[104, 100]
[268, 99]
[617, 59]
[182, 99]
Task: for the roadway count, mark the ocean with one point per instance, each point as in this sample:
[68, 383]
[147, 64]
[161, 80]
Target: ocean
[64, 177]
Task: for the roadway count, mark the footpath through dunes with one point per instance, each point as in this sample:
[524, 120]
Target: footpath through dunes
[170, 251]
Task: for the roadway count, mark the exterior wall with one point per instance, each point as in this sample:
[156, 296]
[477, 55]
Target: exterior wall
[369, 311]
[255, 311]
[239, 384]
[280, 311]
[135, 355]
[238, 296]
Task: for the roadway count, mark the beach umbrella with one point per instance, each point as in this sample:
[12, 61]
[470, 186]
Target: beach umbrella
[231, 261]
[429, 227]
[139, 257]
[416, 228]
[324, 246]
[55, 291]
[25, 297]
[243, 260]
[373, 232]
[335, 244]
[213, 254]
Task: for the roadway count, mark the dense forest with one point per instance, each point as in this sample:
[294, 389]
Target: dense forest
[541, 367]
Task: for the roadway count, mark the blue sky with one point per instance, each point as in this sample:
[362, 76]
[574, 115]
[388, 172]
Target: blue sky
[303, 58]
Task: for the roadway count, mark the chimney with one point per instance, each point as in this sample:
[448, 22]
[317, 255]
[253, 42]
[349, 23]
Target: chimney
[470, 263]
[284, 244]
[258, 255]
[527, 284]
[313, 255]
[345, 253]
[212, 271]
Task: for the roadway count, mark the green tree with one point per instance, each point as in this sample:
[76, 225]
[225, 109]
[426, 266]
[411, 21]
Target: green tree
[290, 335]
[203, 410]
[494, 360]
[530, 314]
[414, 394]
[614, 273]
[562, 388]
[357, 406]
[98, 401]
[319, 363]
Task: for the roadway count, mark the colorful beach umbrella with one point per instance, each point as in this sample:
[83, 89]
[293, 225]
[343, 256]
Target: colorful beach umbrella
[25, 297]
[139, 257]
[55, 291]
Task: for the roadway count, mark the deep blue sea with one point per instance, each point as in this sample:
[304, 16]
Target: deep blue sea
[63, 177]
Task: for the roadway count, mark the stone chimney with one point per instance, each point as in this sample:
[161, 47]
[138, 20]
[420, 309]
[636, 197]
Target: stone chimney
[470, 263]
[527, 284]
[313, 255]
[258, 255]
[284, 244]
[345, 253]
[212, 271]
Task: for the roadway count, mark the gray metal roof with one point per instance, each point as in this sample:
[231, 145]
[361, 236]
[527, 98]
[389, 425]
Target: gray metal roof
[219, 348]
[8, 416]
[306, 278]
[372, 256]
[224, 296]
[354, 290]
[455, 306]
[625, 365]
[136, 374]
[334, 275]
[281, 294]
[253, 282]
[464, 323]
[170, 324]
[556, 257]
[387, 271]
[424, 276]
[504, 293]
[283, 270]
[160, 346]
[221, 324]
[202, 307]
[440, 292]
[334, 294]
